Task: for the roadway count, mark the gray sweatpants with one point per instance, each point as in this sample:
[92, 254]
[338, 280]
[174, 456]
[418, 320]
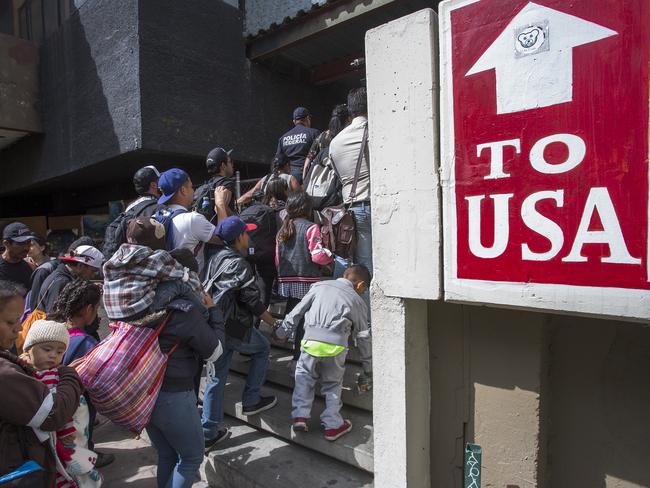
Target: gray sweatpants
[329, 373]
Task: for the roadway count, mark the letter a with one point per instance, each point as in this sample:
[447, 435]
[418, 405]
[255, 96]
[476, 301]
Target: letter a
[612, 235]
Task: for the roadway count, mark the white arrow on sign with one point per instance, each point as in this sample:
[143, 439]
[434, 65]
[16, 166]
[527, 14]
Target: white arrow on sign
[533, 57]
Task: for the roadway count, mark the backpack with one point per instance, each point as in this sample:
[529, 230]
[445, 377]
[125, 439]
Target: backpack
[115, 234]
[204, 196]
[264, 236]
[338, 224]
[322, 183]
[165, 215]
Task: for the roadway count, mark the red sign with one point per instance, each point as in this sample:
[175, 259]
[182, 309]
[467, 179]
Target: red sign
[545, 148]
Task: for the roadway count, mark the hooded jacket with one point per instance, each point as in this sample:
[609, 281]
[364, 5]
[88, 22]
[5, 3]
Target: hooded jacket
[52, 287]
[29, 412]
[231, 283]
[332, 311]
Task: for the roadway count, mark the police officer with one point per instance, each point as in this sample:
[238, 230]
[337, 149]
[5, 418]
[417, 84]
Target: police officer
[295, 144]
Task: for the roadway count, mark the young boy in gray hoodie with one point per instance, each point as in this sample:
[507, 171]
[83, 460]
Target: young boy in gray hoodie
[331, 311]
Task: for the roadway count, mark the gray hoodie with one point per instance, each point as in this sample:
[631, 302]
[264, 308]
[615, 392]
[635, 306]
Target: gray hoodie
[331, 310]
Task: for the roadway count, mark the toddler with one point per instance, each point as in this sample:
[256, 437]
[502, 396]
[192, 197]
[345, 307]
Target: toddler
[45, 346]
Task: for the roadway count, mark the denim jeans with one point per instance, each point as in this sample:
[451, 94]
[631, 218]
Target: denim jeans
[257, 348]
[175, 431]
[363, 254]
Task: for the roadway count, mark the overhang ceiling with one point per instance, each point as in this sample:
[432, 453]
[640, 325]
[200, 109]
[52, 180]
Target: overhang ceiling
[323, 42]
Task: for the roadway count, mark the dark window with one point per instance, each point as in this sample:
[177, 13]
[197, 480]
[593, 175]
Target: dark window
[6, 17]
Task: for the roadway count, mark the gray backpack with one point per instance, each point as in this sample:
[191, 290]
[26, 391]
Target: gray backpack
[322, 183]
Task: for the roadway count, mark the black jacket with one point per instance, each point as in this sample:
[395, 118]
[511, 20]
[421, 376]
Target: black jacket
[198, 339]
[39, 276]
[52, 287]
[231, 282]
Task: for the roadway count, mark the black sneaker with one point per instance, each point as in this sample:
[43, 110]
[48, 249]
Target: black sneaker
[264, 404]
[104, 459]
[222, 435]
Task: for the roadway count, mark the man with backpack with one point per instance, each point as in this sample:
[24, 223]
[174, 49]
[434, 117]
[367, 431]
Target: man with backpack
[221, 169]
[145, 181]
[185, 228]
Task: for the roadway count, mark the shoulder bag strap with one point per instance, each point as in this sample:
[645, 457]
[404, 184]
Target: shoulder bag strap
[357, 172]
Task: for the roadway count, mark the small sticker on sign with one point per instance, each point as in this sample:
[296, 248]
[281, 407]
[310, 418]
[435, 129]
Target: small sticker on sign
[531, 39]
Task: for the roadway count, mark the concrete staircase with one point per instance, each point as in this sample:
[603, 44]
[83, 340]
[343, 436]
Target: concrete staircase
[264, 452]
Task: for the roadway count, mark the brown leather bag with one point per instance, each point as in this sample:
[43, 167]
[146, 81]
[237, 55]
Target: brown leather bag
[338, 224]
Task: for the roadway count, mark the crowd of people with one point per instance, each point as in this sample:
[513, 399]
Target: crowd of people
[199, 266]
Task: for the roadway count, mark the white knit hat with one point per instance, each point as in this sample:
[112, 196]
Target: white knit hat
[46, 331]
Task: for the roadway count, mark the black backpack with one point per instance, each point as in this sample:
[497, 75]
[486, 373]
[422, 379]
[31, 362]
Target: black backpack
[264, 236]
[204, 196]
[115, 234]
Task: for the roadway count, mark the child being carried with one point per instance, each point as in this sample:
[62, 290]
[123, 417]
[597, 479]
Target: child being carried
[45, 346]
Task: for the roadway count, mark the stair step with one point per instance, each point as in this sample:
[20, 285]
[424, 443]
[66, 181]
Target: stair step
[280, 374]
[354, 448]
[253, 459]
[353, 352]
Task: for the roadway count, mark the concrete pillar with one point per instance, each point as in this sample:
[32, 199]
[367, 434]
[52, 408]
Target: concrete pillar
[401, 394]
[401, 67]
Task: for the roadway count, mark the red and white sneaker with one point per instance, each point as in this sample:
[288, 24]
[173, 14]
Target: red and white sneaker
[333, 434]
[300, 424]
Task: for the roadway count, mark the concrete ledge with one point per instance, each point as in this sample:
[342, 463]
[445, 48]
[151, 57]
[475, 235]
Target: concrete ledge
[355, 448]
[250, 459]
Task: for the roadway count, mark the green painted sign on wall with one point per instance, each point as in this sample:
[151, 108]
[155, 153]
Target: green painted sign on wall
[472, 477]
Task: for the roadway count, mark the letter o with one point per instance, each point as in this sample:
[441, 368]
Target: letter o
[574, 144]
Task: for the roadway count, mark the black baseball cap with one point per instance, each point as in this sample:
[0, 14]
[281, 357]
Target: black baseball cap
[144, 177]
[216, 157]
[18, 232]
[301, 113]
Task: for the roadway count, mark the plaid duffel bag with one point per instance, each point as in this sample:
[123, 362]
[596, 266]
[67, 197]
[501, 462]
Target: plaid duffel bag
[124, 372]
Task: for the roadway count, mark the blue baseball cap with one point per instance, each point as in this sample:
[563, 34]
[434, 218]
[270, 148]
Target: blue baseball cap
[300, 113]
[230, 228]
[170, 182]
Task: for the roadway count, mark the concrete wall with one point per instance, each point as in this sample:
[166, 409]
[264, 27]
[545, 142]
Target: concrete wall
[19, 85]
[402, 77]
[486, 385]
[199, 90]
[554, 401]
[90, 95]
[260, 14]
[598, 401]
